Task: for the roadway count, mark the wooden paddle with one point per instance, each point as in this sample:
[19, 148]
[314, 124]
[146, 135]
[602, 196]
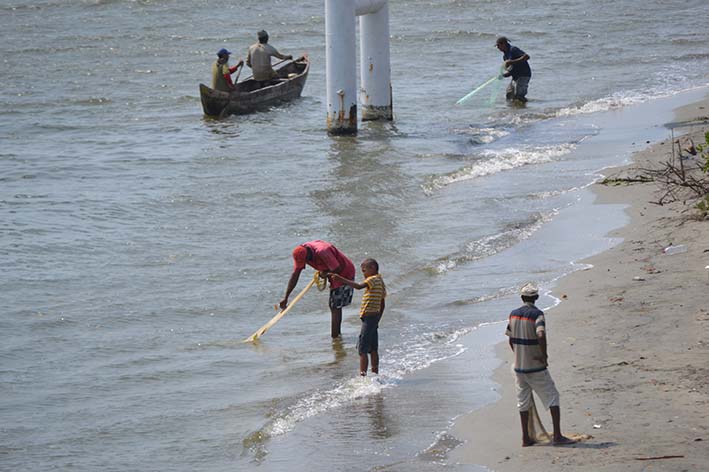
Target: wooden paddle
[224, 113]
[262, 330]
[277, 63]
[241, 67]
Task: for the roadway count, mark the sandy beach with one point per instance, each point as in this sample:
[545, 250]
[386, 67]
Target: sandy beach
[628, 345]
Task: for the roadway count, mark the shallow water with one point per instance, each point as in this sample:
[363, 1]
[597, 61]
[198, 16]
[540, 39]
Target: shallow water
[141, 242]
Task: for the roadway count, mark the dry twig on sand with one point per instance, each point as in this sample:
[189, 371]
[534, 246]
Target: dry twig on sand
[683, 178]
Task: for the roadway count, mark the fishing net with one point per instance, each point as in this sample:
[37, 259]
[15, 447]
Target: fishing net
[538, 432]
[491, 88]
[536, 429]
[320, 281]
[494, 90]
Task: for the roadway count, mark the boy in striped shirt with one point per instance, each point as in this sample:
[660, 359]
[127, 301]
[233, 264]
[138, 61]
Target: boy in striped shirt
[527, 336]
[370, 313]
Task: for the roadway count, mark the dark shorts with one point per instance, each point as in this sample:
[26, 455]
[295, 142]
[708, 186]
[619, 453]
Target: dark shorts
[369, 335]
[517, 89]
[341, 296]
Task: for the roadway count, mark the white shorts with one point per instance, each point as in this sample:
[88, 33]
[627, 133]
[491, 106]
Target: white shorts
[539, 382]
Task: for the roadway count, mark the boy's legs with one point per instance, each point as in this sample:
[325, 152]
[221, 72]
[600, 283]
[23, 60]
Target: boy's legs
[363, 346]
[363, 365]
[375, 362]
[374, 353]
[367, 344]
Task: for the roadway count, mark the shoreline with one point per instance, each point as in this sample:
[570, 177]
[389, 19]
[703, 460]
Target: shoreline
[628, 356]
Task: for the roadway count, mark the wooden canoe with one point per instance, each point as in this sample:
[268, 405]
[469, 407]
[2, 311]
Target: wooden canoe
[248, 97]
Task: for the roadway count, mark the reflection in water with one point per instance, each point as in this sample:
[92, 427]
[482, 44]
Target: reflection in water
[380, 130]
[365, 195]
[254, 445]
[380, 424]
[228, 128]
[339, 350]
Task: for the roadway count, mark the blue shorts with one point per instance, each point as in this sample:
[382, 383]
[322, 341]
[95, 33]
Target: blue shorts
[341, 296]
[369, 335]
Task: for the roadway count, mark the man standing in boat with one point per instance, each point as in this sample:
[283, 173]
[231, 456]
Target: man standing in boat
[221, 72]
[259, 59]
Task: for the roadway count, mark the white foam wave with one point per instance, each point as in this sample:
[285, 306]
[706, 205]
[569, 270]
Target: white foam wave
[482, 135]
[324, 400]
[495, 161]
[624, 99]
[490, 245]
[501, 293]
[423, 350]
[418, 353]
[601, 104]
[441, 446]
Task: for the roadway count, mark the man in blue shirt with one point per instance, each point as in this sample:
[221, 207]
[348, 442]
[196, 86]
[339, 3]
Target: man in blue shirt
[516, 66]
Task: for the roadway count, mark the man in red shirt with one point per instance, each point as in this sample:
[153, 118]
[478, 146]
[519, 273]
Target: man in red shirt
[324, 257]
[221, 72]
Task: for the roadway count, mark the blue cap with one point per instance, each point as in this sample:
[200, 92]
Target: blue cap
[223, 52]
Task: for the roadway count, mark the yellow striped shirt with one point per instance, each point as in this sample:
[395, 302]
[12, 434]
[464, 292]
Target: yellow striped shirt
[373, 295]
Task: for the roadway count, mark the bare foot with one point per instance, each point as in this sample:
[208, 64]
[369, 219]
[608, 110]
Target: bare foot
[529, 442]
[563, 441]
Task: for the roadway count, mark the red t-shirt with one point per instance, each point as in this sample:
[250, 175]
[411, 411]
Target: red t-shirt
[327, 257]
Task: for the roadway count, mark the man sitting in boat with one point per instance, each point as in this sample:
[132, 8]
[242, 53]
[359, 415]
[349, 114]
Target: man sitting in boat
[221, 72]
[259, 59]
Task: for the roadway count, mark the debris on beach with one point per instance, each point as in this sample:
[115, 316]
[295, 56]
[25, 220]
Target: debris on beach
[650, 269]
[656, 458]
[678, 249]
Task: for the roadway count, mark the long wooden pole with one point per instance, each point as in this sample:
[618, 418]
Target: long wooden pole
[262, 330]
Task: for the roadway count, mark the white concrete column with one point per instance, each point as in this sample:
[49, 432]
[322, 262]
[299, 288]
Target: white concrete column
[376, 95]
[341, 74]
[364, 7]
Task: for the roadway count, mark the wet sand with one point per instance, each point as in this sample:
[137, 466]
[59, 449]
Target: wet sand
[628, 346]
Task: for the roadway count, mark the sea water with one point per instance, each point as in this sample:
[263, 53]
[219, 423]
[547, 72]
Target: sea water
[141, 242]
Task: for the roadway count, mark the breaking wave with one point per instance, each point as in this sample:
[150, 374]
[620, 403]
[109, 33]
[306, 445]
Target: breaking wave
[417, 352]
[490, 245]
[495, 161]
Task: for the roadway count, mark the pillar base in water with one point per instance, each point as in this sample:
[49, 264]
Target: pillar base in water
[342, 131]
[343, 125]
[374, 113]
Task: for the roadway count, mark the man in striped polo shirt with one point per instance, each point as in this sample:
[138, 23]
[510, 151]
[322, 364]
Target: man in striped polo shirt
[527, 337]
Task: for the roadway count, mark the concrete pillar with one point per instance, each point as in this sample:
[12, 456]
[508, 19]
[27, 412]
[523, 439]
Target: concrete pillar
[365, 7]
[375, 94]
[341, 58]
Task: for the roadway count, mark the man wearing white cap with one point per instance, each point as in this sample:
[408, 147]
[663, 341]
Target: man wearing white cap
[527, 336]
